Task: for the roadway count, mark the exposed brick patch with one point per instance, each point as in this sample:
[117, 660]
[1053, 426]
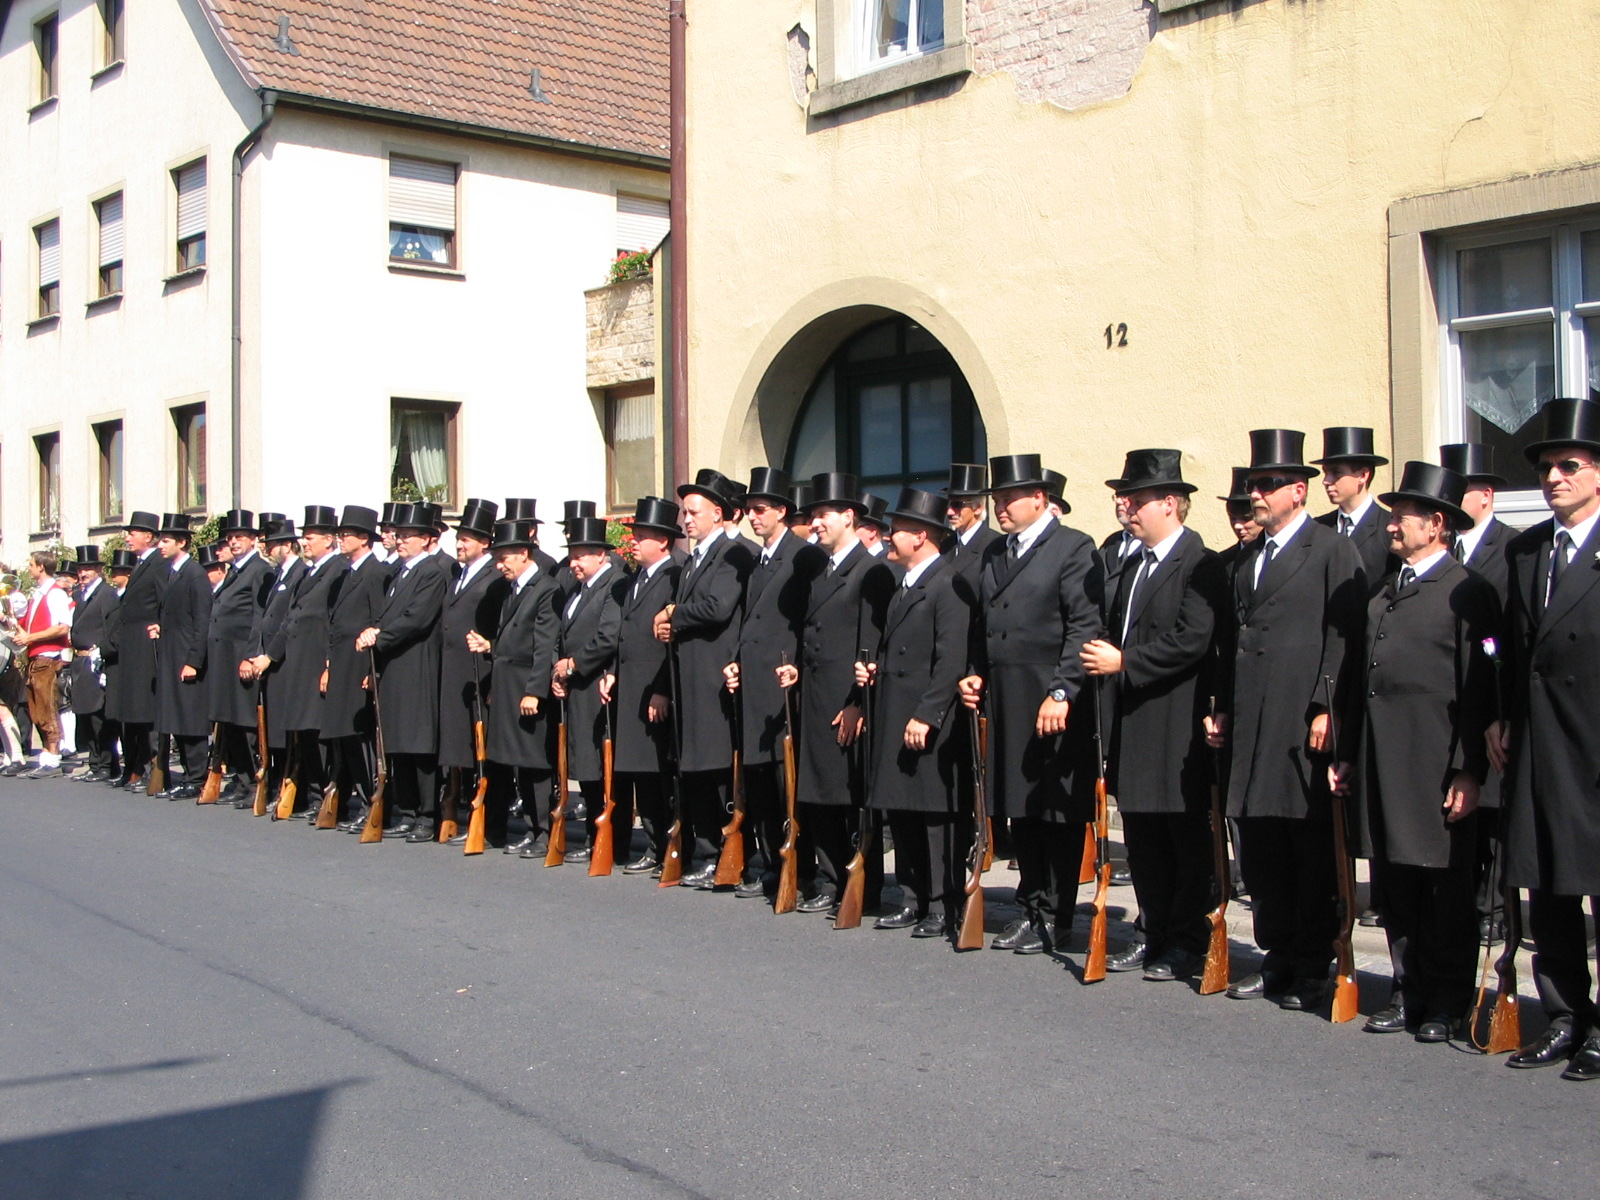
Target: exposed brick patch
[1067, 52]
[802, 77]
[621, 321]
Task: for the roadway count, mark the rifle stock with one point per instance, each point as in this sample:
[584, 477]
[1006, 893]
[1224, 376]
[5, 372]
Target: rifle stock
[476, 837]
[853, 899]
[1091, 856]
[480, 808]
[730, 862]
[260, 806]
[1505, 1022]
[558, 815]
[672, 863]
[1094, 965]
[452, 798]
[1346, 995]
[212, 787]
[604, 853]
[288, 787]
[1215, 977]
[971, 936]
[328, 813]
[372, 831]
[156, 781]
[289, 792]
[788, 854]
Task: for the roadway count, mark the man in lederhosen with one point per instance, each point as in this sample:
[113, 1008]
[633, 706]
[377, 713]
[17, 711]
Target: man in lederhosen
[405, 640]
[286, 567]
[702, 623]
[357, 590]
[1412, 750]
[968, 514]
[94, 610]
[1348, 464]
[639, 688]
[1153, 666]
[921, 750]
[1552, 670]
[131, 691]
[235, 609]
[769, 635]
[473, 603]
[180, 631]
[1298, 603]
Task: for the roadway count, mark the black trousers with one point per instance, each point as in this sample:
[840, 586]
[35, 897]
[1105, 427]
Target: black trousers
[306, 760]
[238, 752]
[708, 805]
[1049, 854]
[507, 786]
[191, 753]
[1561, 959]
[413, 786]
[1431, 920]
[353, 769]
[1171, 860]
[138, 748]
[644, 794]
[98, 737]
[829, 836]
[930, 860]
[765, 815]
[1491, 866]
[1288, 867]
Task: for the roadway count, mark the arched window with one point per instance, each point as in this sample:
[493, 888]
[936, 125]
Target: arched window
[891, 407]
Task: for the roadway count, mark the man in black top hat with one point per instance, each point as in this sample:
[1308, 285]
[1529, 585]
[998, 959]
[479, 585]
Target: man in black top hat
[384, 548]
[356, 592]
[235, 609]
[702, 623]
[285, 567]
[131, 687]
[1154, 664]
[874, 527]
[1411, 747]
[799, 518]
[1348, 465]
[1038, 604]
[1241, 518]
[967, 511]
[1551, 655]
[1294, 623]
[769, 636]
[523, 509]
[180, 631]
[94, 606]
[921, 752]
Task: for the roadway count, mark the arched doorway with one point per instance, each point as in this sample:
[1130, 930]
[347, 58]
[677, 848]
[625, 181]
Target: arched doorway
[890, 406]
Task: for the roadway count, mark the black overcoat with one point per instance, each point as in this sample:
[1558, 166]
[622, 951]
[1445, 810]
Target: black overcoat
[705, 634]
[588, 636]
[131, 694]
[922, 655]
[641, 746]
[774, 610]
[1552, 675]
[185, 620]
[269, 624]
[968, 559]
[407, 653]
[356, 597]
[1158, 761]
[1302, 624]
[524, 653]
[91, 619]
[1488, 557]
[1036, 614]
[300, 644]
[1423, 697]
[475, 607]
[236, 606]
[1371, 540]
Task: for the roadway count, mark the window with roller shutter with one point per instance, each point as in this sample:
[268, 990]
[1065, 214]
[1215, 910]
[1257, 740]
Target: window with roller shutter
[108, 215]
[47, 237]
[641, 223]
[190, 184]
[422, 211]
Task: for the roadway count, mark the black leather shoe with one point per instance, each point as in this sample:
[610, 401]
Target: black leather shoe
[928, 927]
[519, 847]
[821, 903]
[1129, 959]
[1437, 1029]
[403, 829]
[577, 811]
[422, 834]
[49, 773]
[1370, 918]
[96, 776]
[1305, 995]
[246, 801]
[120, 782]
[1254, 986]
[1585, 1064]
[1491, 931]
[1174, 964]
[1387, 1020]
[532, 849]
[460, 839]
[750, 889]
[905, 918]
[705, 876]
[1036, 939]
[1010, 935]
[1121, 876]
[639, 866]
[577, 856]
[12, 770]
[1554, 1045]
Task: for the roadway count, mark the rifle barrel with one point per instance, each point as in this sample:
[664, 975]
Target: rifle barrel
[372, 831]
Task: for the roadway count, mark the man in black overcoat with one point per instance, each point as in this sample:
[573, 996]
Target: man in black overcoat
[282, 546]
[1348, 467]
[236, 607]
[769, 636]
[131, 690]
[921, 765]
[702, 624]
[180, 634]
[1154, 669]
[1552, 673]
[94, 608]
[524, 509]
[1293, 630]
[1412, 750]
[968, 517]
[356, 596]
[1038, 605]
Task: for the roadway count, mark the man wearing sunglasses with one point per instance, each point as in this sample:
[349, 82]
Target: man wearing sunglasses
[1546, 747]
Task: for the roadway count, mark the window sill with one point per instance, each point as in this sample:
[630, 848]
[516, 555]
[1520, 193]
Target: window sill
[43, 107]
[417, 268]
[949, 63]
[184, 276]
[101, 303]
[1167, 6]
[106, 527]
[46, 535]
[107, 71]
[40, 324]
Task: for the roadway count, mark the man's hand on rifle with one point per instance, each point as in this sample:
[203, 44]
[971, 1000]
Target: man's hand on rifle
[1339, 778]
[247, 669]
[849, 724]
[866, 674]
[322, 681]
[1461, 799]
[916, 734]
[1216, 730]
[1323, 735]
[477, 643]
[1498, 737]
[1100, 657]
[663, 624]
[971, 689]
[529, 706]
[730, 677]
[656, 711]
[153, 632]
[367, 638]
[788, 675]
[608, 684]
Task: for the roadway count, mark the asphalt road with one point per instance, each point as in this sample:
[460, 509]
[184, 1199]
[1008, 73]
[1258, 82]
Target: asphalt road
[199, 1005]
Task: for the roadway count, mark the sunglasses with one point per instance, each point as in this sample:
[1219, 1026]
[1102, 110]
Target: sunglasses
[1567, 466]
[1267, 484]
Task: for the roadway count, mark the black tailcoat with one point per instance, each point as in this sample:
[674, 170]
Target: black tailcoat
[1488, 557]
[407, 652]
[301, 645]
[235, 608]
[268, 626]
[1371, 540]
[185, 619]
[705, 632]
[1303, 624]
[1159, 762]
[90, 620]
[1036, 614]
[774, 610]
[1552, 675]
[132, 687]
[524, 653]
[475, 607]
[642, 672]
[968, 559]
[588, 636]
[356, 598]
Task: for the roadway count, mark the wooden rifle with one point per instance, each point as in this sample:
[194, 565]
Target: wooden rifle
[372, 831]
[1505, 1023]
[476, 832]
[672, 864]
[603, 854]
[557, 849]
[971, 935]
[449, 804]
[156, 781]
[260, 807]
[788, 854]
[730, 862]
[212, 787]
[1094, 966]
[988, 821]
[1346, 996]
[328, 812]
[289, 788]
[1215, 978]
[1090, 864]
[854, 897]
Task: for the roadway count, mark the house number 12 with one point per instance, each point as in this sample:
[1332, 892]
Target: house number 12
[1116, 335]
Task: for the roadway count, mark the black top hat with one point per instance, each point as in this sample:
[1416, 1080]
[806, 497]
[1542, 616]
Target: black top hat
[517, 534]
[799, 497]
[146, 521]
[124, 560]
[1015, 471]
[1567, 423]
[656, 515]
[387, 516]
[768, 483]
[967, 479]
[571, 510]
[478, 518]
[239, 520]
[175, 525]
[86, 556]
[1433, 487]
[876, 507]
[361, 519]
[521, 510]
[837, 489]
[435, 516]
[587, 531]
[281, 530]
[1239, 489]
[206, 556]
[714, 486]
[413, 516]
[914, 504]
[267, 518]
[1279, 450]
[1349, 443]
[320, 518]
[1474, 460]
[1143, 469]
[1055, 486]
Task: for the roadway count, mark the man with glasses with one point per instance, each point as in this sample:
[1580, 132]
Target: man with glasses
[1299, 597]
[968, 513]
[1552, 667]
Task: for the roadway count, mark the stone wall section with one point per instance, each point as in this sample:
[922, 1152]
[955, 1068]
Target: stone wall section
[621, 321]
[1067, 52]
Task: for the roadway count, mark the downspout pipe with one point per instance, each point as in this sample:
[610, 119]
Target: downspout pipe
[678, 300]
[269, 104]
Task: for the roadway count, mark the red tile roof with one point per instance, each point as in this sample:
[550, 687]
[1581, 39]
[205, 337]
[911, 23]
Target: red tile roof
[602, 63]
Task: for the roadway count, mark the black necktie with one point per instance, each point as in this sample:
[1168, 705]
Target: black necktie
[1014, 547]
[1558, 562]
[1267, 554]
[1145, 566]
[1459, 551]
[1408, 576]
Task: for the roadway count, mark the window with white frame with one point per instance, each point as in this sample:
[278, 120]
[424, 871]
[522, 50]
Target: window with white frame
[111, 45]
[47, 238]
[1522, 326]
[641, 223]
[189, 182]
[108, 218]
[422, 211]
[891, 30]
[47, 49]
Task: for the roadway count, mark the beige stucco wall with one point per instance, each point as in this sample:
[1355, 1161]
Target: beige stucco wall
[1231, 208]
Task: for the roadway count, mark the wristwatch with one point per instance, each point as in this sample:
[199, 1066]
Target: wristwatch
[1059, 695]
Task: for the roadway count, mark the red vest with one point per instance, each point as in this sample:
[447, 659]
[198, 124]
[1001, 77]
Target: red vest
[39, 619]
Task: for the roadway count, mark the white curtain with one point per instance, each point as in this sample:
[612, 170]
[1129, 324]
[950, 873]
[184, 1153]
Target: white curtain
[425, 431]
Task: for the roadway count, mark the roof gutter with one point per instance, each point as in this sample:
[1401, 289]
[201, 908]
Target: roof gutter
[269, 104]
